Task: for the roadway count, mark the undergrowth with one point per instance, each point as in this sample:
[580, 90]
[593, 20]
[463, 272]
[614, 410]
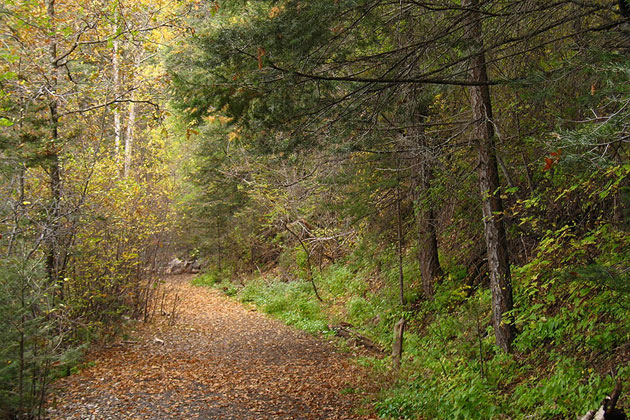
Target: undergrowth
[571, 347]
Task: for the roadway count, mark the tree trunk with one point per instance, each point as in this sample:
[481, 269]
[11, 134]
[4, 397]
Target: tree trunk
[117, 122]
[129, 139]
[55, 169]
[219, 250]
[17, 210]
[428, 257]
[492, 206]
[401, 278]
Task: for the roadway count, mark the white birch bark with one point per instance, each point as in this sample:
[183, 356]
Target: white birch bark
[117, 121]
[129, 138]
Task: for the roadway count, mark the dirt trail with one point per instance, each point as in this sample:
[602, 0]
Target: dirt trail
[219, 361]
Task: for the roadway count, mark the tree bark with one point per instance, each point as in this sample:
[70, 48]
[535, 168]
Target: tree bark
[428, 257]
[219, 250]
[492, 206]
[117, 122]
[17, 210]
[401, 277]
[55, 167]
[129, 138]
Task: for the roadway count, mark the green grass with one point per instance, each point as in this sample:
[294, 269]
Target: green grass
[205, 279]
[292, 302]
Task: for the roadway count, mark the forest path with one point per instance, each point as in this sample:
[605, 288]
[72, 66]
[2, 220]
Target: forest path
[220, 360]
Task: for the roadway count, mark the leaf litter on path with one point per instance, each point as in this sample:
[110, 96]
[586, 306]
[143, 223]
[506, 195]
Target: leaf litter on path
[218, 361]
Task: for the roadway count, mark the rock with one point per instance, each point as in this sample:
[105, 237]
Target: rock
[176, 266]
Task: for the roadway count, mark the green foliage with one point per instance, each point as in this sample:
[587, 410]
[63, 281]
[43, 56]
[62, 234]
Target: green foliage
[206, 279]
[569, 389]
[34, 337]
[565, 318]
[227, 287]
[339, 280]
[360, 310]
[472, 399]
[548, 378]
[293, 302]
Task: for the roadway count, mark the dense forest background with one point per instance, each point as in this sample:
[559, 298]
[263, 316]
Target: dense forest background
[457, 168]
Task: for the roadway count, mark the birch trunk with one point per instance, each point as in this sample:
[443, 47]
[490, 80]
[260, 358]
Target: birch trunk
[129, 139]
[117, 122]
[131, 123]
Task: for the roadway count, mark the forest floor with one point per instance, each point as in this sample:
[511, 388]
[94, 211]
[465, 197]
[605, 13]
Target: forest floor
[218, 360]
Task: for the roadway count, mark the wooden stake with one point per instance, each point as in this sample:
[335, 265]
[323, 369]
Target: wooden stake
[397, 348]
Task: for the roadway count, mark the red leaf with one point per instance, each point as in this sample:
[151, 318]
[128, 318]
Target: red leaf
[261, 53]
